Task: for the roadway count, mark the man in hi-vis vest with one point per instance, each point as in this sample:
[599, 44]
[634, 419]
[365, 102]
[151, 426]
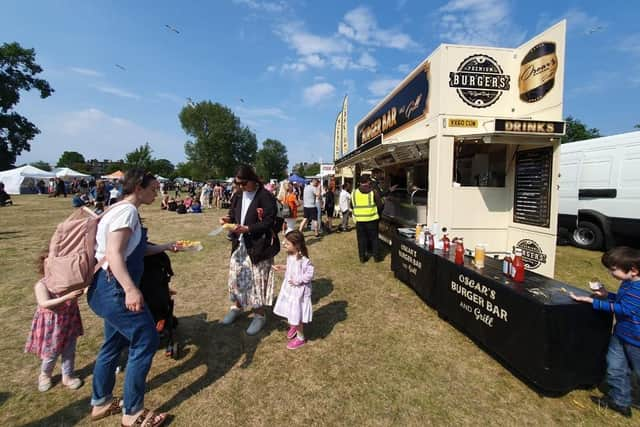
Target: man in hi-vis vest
[366, 203]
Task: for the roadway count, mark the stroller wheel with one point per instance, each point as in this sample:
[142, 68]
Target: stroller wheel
[175, 351]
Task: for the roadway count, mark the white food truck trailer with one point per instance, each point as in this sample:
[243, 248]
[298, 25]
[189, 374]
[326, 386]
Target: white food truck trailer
[470, 141]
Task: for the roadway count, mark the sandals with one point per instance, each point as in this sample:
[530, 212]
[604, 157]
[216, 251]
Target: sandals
[148, 418]
[73, 383]
[114, 408]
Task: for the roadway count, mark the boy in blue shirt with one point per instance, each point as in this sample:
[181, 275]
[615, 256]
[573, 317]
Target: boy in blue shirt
[623, 357]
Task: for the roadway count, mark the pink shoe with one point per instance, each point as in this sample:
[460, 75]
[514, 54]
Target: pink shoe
[295, 343]
[291, 333]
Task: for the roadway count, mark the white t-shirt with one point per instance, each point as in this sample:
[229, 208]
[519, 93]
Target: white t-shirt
[125, 215]
[114, 193]
[345, 198]
[247, 198]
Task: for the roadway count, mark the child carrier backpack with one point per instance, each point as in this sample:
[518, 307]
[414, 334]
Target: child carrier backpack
[71, 262]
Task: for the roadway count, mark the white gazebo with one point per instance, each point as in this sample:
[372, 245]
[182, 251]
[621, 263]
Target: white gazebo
[23, 180]
[69, 173]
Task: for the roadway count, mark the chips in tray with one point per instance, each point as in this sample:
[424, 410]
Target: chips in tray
[229, 226]
[188, 245]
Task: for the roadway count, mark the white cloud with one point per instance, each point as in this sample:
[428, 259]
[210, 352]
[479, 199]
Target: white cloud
[96, 134]
[171, 97]
[305, 43]
[318, 93]
[271, 68]
[361, 26]
[86, 71]
[295, 67]
[267, 6]
[479, 22]
[382, 87]
[631, 44]
[254, 114]
[403, 68]
[367, 61]
[116, 91]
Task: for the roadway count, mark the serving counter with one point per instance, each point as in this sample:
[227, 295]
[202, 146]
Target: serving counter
[533, 327]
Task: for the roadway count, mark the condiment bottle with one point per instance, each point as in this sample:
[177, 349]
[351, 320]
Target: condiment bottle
[517, 270]
[506, 265]
[459, 251]
[446, 243]
[418, 232]
[431, 242]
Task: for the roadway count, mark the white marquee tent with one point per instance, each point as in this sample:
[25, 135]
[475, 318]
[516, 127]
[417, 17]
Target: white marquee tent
[23, 180]
[69, 173]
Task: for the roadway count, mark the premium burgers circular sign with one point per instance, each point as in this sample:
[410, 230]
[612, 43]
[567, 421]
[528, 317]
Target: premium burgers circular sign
[479, 81]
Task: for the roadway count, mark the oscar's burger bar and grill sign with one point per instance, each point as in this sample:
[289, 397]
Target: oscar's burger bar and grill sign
[469, 146]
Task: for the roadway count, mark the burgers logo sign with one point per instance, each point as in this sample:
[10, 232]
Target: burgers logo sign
[479, 81]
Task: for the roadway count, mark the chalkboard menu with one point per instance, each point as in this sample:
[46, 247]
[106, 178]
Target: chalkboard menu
[532, 192]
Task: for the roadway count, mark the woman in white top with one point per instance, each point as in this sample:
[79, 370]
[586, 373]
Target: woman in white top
[114, 296]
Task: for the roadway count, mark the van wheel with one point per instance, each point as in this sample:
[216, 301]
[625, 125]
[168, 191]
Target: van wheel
[588, 236]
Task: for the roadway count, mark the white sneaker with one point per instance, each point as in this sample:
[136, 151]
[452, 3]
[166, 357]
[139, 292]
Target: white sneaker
[256, 324]
[231, 316]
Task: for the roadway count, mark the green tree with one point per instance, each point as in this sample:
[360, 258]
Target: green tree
[140, 157]
[17, 73]
[41, 165]
[306, 169]
[637, 126]
[219, 141]
[271, 160]
[183, 170]
[71, 159]
[162, 167]
[577, 131]
[117, 165]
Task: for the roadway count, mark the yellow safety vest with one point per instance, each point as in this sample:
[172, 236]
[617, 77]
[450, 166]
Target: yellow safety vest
[364, 206]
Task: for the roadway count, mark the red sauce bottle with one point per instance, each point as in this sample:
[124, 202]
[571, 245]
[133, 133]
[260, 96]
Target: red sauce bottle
[431, 242]
[517, 269]
[446, 243]
[459, 252]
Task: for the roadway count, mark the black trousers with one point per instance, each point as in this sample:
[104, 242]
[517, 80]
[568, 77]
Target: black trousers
[367, 234]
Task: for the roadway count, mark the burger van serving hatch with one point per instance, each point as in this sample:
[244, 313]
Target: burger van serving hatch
[479, 81]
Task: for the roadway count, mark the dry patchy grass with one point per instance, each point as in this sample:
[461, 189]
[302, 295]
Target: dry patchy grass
[377, 354]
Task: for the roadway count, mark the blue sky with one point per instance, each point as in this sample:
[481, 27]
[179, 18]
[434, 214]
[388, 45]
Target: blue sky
[284, 66]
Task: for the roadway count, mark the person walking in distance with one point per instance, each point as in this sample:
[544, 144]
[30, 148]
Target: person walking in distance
[309, 207]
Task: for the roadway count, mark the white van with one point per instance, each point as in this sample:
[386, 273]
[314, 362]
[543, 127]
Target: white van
[600, 191]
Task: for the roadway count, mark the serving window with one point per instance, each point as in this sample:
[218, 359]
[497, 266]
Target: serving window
[477, 164]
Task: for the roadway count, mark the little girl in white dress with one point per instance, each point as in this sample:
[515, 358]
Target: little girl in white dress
[294, 300]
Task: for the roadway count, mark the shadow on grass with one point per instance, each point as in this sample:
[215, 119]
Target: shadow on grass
[325, 319]
[4, 235]
[3, 397]
[215, 346]
[73, 413]
[321, 288]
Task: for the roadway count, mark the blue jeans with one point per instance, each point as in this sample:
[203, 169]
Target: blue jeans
[623, 359]
[122, 328]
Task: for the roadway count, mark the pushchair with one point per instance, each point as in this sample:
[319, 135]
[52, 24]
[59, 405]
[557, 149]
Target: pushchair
[154, 286]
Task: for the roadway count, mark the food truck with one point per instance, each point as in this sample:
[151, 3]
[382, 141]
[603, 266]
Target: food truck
[469, 140]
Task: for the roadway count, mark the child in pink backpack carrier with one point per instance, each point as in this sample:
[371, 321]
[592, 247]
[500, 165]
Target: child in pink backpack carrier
[55, 328]
[294, 299]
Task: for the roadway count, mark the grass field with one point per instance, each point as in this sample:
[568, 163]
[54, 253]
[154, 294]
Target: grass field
[377, 354]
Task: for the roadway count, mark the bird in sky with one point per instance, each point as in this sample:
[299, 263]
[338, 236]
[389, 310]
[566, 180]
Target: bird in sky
[594, 30]
[170, 28]
[121, 67]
